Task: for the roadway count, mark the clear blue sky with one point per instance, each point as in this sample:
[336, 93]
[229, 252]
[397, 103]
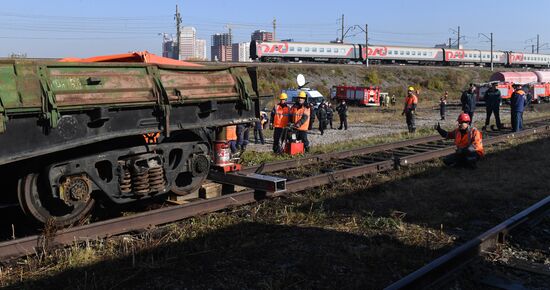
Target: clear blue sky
[62, 28]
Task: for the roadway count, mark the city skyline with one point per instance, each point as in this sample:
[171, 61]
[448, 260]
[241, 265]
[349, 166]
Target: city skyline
[83, 29]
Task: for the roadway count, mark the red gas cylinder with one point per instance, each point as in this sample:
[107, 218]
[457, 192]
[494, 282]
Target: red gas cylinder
[223, 153]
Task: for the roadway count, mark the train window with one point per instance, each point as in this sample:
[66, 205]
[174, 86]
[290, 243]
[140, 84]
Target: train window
[329, 49]
[395, 52]
[419, 53]
[408, 52]
[306, 49]
[414, 53]
[291, 48]
[401, 52]
[276, 48]
[299, 49]
[341, 50]
[314, 49]
[390, 52]
[424, 53]
[321, 49]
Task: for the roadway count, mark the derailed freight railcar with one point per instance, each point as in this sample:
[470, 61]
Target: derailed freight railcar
[70, 132]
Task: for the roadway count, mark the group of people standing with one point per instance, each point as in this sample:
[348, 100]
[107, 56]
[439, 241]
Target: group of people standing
[300, 116]
[493, 99]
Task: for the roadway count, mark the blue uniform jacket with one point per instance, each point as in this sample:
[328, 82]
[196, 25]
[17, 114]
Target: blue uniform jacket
[518, 101]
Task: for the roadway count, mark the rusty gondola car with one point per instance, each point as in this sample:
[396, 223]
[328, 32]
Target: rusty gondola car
[72, 131]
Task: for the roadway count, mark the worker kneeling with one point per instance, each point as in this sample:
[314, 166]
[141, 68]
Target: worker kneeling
[468, 140]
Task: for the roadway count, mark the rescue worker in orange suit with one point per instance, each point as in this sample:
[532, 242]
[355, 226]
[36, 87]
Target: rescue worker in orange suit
[231, 137]
[299, 117]
[411, 101]
[279, 121]
[468, 141]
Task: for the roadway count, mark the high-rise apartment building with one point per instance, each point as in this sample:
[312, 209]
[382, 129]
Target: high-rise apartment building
[200, 49]
[241, 52]
[221, 49]
[187, 42]
[261, 35]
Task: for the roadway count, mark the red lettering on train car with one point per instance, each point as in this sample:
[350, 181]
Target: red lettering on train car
[376, 51]
[458, 54]
[274, 48]
[516, 57]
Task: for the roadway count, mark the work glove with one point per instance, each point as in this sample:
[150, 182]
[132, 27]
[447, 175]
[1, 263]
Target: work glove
[437, 127]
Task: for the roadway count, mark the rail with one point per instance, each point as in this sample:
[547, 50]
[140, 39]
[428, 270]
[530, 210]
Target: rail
[441, 268]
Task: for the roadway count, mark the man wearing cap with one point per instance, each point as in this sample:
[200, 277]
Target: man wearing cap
[411, 101]
[492, 99]
[518, 101]
[468, 141]
[468, 100]
[299, 117]
[279, 121]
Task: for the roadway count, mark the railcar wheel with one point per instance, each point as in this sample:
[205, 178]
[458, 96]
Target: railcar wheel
[186, 183]
[74, 205]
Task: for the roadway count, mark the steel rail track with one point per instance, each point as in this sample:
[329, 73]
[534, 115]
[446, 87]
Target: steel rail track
[439, 270]
[393, 155]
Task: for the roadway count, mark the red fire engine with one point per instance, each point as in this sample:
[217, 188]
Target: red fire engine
[362, 96]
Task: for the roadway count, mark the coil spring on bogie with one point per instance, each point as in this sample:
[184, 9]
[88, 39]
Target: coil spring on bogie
[156, 178]
[142, 175]
[140, 182]
[125, 179]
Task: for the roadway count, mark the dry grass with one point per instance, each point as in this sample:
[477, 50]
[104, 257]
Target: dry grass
[363, 233]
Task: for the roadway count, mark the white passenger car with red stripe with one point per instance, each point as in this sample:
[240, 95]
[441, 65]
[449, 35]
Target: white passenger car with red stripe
[296, 51]
[400, 54]
[474, 56]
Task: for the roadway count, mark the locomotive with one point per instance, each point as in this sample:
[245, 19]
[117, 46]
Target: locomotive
[73, 132]
[273, 51]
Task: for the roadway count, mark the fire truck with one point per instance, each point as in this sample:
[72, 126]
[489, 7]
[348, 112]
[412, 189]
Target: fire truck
[362, 96]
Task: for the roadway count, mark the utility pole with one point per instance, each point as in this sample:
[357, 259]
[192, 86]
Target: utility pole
[491, 51]
[177, 17]
[538, 44]
[367, 44]
[491, 40]
[458, 40]
[533, 48]
[274, 29]
[450, 45]
[342, 38]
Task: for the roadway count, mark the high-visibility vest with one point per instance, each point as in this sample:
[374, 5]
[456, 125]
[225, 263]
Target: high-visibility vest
[410, 100]
[471, 137]
[297, 113]
[280, 119]
[231, 132]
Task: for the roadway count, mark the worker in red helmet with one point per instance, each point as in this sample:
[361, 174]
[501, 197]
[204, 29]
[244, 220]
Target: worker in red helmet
[468, 141]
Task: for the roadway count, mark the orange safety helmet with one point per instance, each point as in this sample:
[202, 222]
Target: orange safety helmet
[464, 118]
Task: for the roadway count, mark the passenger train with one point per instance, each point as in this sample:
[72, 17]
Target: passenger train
[271, 51]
